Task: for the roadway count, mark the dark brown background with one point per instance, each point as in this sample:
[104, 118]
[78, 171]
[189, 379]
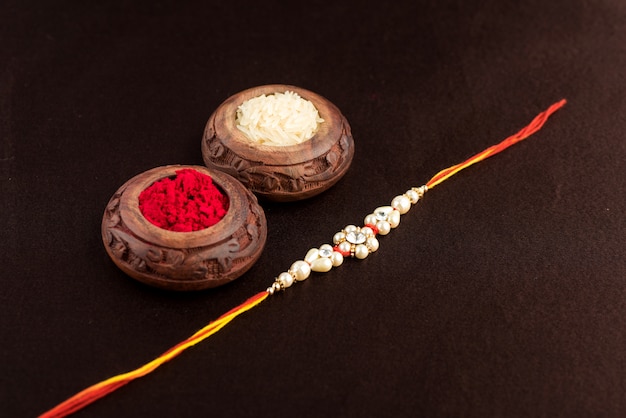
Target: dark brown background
[502, 294]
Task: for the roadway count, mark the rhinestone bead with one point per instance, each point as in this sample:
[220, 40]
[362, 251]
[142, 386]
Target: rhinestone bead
[325, 251]
[356, 237]
[382, 212]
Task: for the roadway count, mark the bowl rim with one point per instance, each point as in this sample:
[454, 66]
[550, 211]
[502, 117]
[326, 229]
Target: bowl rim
[225, 127]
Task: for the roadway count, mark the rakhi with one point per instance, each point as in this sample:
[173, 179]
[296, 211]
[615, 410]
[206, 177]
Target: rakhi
[351, 242]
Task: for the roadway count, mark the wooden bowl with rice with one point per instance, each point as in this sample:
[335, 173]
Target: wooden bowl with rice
[282, 142]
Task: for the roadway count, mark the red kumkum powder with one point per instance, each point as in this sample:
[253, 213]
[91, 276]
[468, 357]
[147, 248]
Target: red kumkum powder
[185, 203]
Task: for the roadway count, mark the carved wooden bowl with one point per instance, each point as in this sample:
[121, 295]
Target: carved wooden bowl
[279, 173]
[183, 260]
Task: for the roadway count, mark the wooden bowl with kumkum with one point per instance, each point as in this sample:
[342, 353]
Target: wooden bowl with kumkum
[192, 256]
[292, 146]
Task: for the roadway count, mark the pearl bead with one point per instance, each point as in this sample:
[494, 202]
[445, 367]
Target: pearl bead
[361, 251]
[412, 195]
[383, 227]
[301, 270]
[350, 228]
[344, 247]
[401, 203]
[370, 219]
[339, 237]
[322, 265]
[285, 279]
[394, 218]
[367, 231]
[372, 244]
[336, 258]
[312, 255]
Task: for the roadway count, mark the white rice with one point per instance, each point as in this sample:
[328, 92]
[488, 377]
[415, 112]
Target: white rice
[278, 119]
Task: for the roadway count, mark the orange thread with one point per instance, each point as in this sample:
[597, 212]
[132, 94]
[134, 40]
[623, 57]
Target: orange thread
[524, 133]
[97, 391]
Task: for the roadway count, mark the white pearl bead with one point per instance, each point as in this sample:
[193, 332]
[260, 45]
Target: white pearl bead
[370, 219]
[336, 258]
[301, 270]
[344, 247]
[383, 227]
[322, 265]
[367, 231]
[401, 203]
[412, 195]
[372, 244]
[339, 237]
[394, 218]
[285, 279]
[361, 251]
[312, 255]
[350, 228]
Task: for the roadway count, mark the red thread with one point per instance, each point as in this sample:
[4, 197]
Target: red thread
[534, 126]
[343, 253]
[373, 228]
[185, 203]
